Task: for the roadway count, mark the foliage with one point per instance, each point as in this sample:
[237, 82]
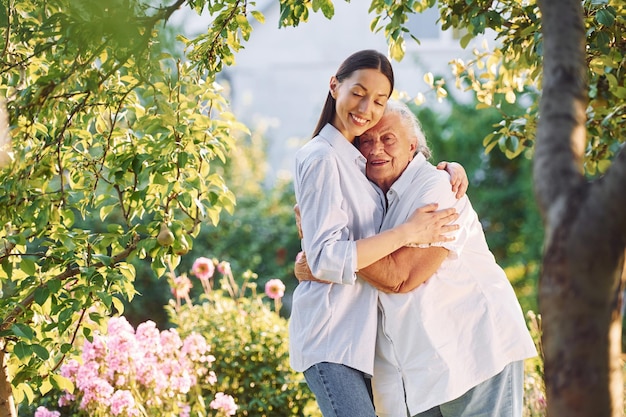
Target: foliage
[260, 235]
[105, 124]
[250, 342]
[512, 69]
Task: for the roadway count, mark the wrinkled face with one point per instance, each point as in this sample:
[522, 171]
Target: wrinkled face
[360, 101]
[389, 148]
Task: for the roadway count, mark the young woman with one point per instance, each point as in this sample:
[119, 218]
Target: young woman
[333, 327]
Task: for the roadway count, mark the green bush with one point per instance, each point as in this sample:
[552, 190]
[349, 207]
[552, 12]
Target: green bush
[250, 343]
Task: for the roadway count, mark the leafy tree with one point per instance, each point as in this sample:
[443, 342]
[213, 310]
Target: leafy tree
[103, 123]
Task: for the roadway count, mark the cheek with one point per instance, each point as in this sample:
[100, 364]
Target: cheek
[378, 114]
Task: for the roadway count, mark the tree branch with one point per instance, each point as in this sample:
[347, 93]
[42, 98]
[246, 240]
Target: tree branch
[68, 273]
[608, 192]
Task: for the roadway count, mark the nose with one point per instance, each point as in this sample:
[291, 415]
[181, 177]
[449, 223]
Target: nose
[364, 105]
[376, 147]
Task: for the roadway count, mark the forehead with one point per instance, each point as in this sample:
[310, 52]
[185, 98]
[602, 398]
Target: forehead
[390, 123]
[371, 80]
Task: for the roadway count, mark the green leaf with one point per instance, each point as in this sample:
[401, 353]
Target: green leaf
[22, 331]
[104, 259]
[605, 17]
[41, 295]
[40, 351]
[22, 351]
[28, 266]
[465, 40]
[106, 298]
[258, 16]
[54, 285]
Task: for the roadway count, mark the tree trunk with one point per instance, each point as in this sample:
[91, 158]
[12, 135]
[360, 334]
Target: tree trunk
[581, 279]
[7, 406]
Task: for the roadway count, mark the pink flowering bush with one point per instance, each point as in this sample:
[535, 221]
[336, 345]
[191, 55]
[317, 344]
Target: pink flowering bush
[251, 342]
[146, 372]
[44, 412]
[227, 356]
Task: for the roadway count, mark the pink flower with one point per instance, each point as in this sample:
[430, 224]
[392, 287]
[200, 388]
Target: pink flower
[182, 286]
[123, 403]
[224, 268]
[195, 348]
[66, 399]
[225, 403]
[203, 268]
[44, 412]
[212, 378]
[274, 289]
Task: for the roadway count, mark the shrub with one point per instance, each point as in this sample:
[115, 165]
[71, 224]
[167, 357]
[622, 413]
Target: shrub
[250, 341]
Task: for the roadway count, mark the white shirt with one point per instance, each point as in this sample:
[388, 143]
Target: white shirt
[459, 328]
[334, 322]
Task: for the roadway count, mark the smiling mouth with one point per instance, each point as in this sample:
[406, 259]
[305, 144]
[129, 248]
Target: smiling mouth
[378, 162]
[358, 120]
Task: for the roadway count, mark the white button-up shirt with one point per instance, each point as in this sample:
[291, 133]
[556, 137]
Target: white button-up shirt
[334, 322]
[459, 328]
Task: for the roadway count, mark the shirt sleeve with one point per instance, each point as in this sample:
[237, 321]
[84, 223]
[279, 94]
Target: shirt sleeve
[439, 190]
[327, 241]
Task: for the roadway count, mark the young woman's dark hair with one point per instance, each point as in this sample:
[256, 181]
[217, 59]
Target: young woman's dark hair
[365, 59]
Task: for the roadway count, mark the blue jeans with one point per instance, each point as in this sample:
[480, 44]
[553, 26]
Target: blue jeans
[499, 396]
[340, 390]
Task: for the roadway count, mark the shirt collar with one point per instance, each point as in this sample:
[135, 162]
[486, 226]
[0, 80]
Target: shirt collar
[403, 183]
[346, 150]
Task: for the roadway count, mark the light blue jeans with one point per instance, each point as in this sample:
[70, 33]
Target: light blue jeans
[499, 396]
[340, 390]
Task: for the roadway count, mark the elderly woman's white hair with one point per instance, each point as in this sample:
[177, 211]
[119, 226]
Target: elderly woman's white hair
[408, 117]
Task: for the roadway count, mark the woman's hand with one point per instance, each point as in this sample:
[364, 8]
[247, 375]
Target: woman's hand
[428, 225]
[458, 177]
[302, 271]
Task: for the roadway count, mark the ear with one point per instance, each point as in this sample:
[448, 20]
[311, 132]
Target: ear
[334, 84]
[413, 148]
